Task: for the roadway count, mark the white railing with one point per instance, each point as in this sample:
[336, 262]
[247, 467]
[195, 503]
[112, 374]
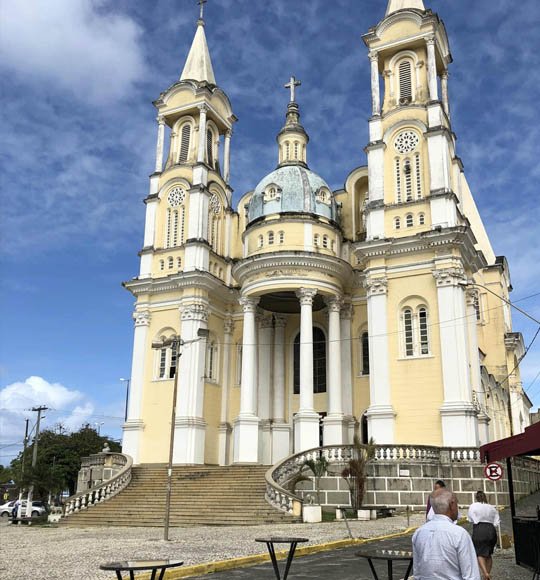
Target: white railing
[279, 476]
[105, 490]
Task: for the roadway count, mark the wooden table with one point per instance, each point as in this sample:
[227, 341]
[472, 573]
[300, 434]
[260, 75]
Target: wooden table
[133, 566]
[389, 556]
[293, 542]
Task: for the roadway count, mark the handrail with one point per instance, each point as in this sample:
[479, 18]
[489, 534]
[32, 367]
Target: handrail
[105, 490]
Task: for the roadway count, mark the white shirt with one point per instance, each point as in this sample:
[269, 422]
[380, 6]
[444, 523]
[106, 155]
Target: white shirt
[443, 551]
[483, 512]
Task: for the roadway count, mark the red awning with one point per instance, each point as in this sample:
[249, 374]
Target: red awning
[526, 443]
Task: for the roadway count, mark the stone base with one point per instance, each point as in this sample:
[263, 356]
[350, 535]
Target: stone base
[281, 437]
[265, 442]
[246, 439]
[334, 430]
[312, 514]
[459, 424]
[189, 436]
[306, 431]
[132, 432]
[381, 424]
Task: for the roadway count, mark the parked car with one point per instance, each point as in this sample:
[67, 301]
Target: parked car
[38, 509]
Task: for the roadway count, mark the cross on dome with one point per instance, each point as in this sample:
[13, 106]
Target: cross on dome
[201, 4]
[292, 84]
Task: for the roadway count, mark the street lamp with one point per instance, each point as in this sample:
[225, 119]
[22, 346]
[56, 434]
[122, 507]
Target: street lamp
[174, 342]
[98, 426]
[127, 381]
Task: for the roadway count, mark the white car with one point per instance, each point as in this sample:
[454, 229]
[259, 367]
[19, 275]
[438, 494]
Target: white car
[38, 509]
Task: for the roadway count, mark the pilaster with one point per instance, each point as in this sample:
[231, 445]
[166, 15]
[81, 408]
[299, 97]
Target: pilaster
[346, 370]
[224, 426]
[265, 380]
[280, 429]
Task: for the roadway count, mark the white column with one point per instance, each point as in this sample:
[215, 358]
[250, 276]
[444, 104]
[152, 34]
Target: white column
[190, 426]
[334, 432]
[280, 429]
[227, 156]
[380, 413]
[266, 339]
[202, 134]
[375, 88]
[458, 414]
[444, 91]
[306, 432]
[346, 370]
[246, 426]
[432, 70]
[224, 425]
[159, 144]
[133, 427]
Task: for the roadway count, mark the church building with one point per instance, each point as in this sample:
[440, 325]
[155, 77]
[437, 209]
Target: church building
[298, 316]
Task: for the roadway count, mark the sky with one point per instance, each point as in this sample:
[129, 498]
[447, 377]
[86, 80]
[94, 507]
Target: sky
[78, 143]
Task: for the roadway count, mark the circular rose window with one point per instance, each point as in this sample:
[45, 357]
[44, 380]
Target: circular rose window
[406, 142]
[176, 196]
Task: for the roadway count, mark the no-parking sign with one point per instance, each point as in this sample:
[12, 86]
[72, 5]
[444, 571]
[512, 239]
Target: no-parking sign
[493, 471]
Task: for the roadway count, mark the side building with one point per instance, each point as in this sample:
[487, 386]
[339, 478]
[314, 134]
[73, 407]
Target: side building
[379, 308]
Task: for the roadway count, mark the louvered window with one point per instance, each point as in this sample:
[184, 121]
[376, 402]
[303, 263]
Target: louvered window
[170, 263]
[210, 148]
[179, 263]
[325, 241]
[162, 264]
[287, 151]
[423, 328]
[397, 223]
[182, 224]
[408, 332]
[162, 363]
[409, 220]
[365, 353]
[407, 170]
[270, 238]
[261, 241]
[421, 219]
[405, 82]
[398, 181]
[184, 143]
[175, 228]
[418, 170]
[281, 237]
[296, 150]
[174, 359]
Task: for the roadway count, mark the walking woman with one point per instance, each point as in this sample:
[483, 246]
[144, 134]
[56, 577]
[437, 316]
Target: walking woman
[485, 518]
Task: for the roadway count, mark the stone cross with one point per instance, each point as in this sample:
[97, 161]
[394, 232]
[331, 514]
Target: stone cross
[292, 84]
[201, 4]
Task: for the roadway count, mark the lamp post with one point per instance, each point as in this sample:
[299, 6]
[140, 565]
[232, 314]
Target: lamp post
[98, 426]
[512, 305]
[174, 342]
[127, 381]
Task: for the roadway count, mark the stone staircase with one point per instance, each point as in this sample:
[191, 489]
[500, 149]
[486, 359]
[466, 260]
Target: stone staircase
[201, 495]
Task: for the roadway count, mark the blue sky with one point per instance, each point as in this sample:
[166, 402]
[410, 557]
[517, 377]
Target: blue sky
[78, 145]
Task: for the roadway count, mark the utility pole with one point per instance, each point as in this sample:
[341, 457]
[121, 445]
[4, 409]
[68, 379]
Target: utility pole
[25, 445]
[37, 410]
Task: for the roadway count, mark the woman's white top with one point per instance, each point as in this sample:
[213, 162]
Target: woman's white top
[483, 513]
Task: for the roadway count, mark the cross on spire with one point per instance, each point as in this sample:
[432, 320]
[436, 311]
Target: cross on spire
[201, 4]
[292, 84]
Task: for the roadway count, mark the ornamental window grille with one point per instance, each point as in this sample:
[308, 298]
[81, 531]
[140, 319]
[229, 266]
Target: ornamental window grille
[398, 181]
[409, 220]
[418, 171]
[421, 219]
[281, 237]
[365, 353]
[270, 238]
[319, 362]
[210, 147]
[407, 170]
[405, 82]
[397, 223]
[185, 138]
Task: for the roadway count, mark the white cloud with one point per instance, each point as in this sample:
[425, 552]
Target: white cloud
[82, 46]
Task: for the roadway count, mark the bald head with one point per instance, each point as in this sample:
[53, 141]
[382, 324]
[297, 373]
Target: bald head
[444, 502]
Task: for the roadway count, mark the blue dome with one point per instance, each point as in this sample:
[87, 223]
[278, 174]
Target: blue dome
[292, 188]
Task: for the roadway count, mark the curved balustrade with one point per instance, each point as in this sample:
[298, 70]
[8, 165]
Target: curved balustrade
[105, 490]
[280, 475]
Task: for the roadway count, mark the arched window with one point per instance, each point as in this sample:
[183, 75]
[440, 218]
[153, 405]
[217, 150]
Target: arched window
[408, 332]
[418, 171]
[398, 181]
[365, 353]
[423, 330]
[162, 264]
[316, 240]
[167, 360]
[162, 363]
[185, 138]
[179, 263]
[174, 359]
[175, 218]
[296, 149]
[409, 220]
[407, 170]
[421, 219]
[281, 237]
[287, 151]
[319, 362]
[405, 82]
[211, 360]
[210, 147]
[397, 223]
[325, 241]
[261, 241]
[182, 224]
[170, 263]
[270, 238]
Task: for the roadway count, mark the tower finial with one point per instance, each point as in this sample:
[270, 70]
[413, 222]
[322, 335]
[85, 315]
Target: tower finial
[201, 4]
[292, 84]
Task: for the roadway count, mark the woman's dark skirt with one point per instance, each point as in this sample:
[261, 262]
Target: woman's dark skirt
[484, 538]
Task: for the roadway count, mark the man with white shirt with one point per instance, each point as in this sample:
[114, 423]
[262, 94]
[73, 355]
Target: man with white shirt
[441, 550]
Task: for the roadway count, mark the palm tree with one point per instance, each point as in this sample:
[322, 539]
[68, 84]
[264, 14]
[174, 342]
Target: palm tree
[318, 467]
[355, 474]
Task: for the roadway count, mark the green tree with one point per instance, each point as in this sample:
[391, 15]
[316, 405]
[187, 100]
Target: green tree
[355, 474]
[58, 459]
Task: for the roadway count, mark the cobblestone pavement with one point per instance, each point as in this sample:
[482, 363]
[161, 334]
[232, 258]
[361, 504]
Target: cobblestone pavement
[49, 553]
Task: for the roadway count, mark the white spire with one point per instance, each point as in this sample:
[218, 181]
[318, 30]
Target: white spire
[198, 65]
[395, 5]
